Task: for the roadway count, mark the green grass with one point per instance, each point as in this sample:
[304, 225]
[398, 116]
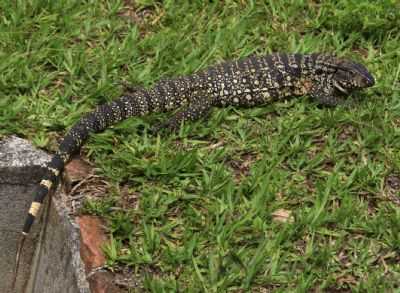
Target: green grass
[206, 196]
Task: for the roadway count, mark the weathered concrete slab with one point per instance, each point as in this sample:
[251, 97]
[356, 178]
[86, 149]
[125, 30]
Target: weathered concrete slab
[58, 266]
[18, 173]
[20, 162]
[51, 260]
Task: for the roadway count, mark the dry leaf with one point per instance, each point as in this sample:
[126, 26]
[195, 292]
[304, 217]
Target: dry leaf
[283, 216]
[78, 169]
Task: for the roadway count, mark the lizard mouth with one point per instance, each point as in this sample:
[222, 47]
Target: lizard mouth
[340, 88]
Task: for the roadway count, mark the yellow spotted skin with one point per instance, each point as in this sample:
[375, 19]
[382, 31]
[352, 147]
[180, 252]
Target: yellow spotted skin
[249, 82]
[34, 209]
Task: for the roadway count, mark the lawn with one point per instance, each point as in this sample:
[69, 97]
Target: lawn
[289, 197]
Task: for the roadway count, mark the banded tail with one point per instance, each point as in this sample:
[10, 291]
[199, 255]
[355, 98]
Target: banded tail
[165, 96]
[96, 121]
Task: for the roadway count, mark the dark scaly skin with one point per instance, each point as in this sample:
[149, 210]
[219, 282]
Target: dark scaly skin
[249, 82]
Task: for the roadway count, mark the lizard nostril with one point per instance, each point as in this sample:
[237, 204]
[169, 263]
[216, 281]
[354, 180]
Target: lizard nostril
[371, 81]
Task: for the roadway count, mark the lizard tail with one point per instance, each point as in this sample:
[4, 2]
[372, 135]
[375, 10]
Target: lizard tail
[50, 179]
[138, 104]
[17, 261]
[98, 120]
[49, 182]
[101, 118]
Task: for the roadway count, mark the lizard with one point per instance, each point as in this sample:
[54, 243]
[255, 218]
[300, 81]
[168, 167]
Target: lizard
[247, 82]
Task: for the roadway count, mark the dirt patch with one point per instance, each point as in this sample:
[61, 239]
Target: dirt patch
[241, 166]
[129, 198]
[144, 18]
[392, 188]
[393, 182]
[317, 145]
[92, 187]
[347, 132]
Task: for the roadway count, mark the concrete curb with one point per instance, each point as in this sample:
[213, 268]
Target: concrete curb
[51, 260]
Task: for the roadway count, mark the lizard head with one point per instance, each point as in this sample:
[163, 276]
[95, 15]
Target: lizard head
[351, 76]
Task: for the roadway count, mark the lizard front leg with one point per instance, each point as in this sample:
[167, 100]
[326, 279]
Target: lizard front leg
[324, 93]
